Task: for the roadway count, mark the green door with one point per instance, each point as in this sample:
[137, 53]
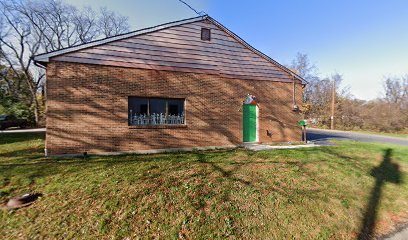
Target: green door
[250, 123]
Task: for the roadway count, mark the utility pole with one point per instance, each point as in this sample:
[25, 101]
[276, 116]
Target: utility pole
[333, 104]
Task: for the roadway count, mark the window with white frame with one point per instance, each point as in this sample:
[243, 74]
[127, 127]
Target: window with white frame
[156, 111]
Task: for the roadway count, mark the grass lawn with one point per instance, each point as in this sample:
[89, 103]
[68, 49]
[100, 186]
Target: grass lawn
[326, 193]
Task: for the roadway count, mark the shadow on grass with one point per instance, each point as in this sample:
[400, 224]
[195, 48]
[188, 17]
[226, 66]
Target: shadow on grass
[225, 173]
[385, 172]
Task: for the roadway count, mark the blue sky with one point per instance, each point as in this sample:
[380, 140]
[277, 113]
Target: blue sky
[363, 40]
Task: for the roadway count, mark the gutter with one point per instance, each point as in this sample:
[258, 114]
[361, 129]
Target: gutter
[38, 64]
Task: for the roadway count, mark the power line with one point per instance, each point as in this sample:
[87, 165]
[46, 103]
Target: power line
[201, 13]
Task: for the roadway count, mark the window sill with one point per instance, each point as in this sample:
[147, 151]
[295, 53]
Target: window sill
[159, 126]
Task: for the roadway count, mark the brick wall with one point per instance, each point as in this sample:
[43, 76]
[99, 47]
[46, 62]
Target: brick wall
[87, 109]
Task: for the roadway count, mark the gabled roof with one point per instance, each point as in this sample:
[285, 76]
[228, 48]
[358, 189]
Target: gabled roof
[45, 57]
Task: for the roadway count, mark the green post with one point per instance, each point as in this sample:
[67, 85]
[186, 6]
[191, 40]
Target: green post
[303, 124]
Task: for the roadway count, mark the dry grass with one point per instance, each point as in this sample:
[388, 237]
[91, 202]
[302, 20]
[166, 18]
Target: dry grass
[303, 193]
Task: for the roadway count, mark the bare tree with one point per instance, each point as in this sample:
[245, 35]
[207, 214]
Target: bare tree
[317, 95]
[59, 25]
[396, 95]
[387, 114]
[86, 25]
[63, 25]
[396, 89]
[28, 28]
[302, 66]
[111, 24]
[18, 43]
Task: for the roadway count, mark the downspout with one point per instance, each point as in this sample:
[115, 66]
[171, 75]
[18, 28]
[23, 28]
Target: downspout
[39, 65]
[295, 107]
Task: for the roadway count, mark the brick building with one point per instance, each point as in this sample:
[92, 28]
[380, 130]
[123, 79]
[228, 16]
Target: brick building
[179, 85]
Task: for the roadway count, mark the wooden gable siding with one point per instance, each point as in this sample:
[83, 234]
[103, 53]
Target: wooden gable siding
[180, 48]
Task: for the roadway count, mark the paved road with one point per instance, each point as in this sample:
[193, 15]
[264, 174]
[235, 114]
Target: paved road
[23, 130]
[401, 235]
[321, 136]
